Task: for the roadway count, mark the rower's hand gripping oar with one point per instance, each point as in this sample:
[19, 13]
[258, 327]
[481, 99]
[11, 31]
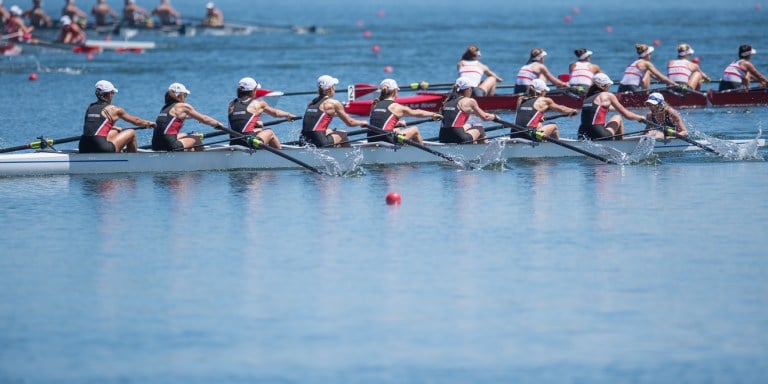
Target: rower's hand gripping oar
[42, 142]
[539, 136]
[221, 133]
[387, 133]
[400, 138]
[670, 131]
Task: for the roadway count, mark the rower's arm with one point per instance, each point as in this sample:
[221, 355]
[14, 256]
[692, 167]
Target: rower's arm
[492, 74]
[554, 80]
[679, 123]
[274, 112]
[205, 119]
[121, 113]
[349, 121]
[755, 73]
[623, 111]
[559, 108]
[658, 75]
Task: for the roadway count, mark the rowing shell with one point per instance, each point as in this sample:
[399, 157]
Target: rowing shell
[240, 158]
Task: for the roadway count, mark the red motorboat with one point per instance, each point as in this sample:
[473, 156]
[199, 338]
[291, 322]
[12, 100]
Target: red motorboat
[741, 97]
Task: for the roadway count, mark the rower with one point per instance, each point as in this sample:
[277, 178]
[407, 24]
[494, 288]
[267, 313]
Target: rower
[74, 13]
[37, 16]
[133, 15]
[321, 111]
[685, 72]
[170, 120]
[535, 69]
[637, 76]
[101, 10]
[4, 14]
[16, 29]
[597, 103]
[167, 14]
[244, 111]
[739, 73]
[663, 114]
[460, 112]
[471, 68]
[70, 32]
[386, 114]
[213, 16]
[99, 132]
[582, 71]
[531, 108]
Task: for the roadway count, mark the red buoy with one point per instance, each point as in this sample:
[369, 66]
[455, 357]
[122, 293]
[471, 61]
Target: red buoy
[367, 34]
[32, 76]
[388, 69]
[376, 48]
[393, 198]
[568, 18]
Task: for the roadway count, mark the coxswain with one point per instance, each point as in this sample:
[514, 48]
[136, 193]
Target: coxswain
[99, 131]
[471, 68]
[594, 112]
[167, 135]
[101, 10]
[75, 14]
[662, 114]
[15, 28]
[685, 72]
[167, 14]
[637, 76]
[244, 112]
[321, 111]
[70, 33]
[386, 114]
[460, 113]
[213, 16]
[133, 15]
[531, 109]
[739, 73]
[582, 71]
[37, 16]
[535, 69]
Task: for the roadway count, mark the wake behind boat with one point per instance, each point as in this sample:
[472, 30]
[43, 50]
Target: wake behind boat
[225, 158]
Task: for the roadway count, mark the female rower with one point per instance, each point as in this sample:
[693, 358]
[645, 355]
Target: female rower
[662, 114]
[75, 14]
[213, 16]
[244, 112]
[321, 111]
[167, 14]
[386, 114]
[37, 16]
[470, 67]
[685, 72]
[16, 29]
[637, 76]
[535, 69]
[70, 32]
[134, 15]
[101, 10]
[739, 73]
[598, 101]
[582, 71]
[99, 132]
[458, 112]
[531, 108]
[167, 136]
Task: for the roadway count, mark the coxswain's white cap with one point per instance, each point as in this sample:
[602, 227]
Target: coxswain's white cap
[463, 83]
[210, 5]
[539, 85]
[16, 10]
[602, 79]
[65, 20]
[248, 84]
[655, 99]
[178, 88]
[326, 82]
[646, 52]
[389, 83]
[104, 86]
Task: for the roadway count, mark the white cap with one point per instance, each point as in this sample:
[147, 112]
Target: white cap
[602, 79]
[248, 84]
[539, 85]
[210, 5]
[655, 98]
[389, 83]
[103, 86]
[646, 52]
[586, 54]
[65, 20]
[748, 53]
[326, 82]
[16, 10]
[540, 56]
[688, 51]
[463, 83]
[178, 88]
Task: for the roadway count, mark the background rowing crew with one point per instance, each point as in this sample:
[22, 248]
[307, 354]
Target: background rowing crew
[19, 24]
[460, 117]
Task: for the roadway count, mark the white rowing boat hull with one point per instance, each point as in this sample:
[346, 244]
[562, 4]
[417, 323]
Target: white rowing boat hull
[237, 158]
[118, 44]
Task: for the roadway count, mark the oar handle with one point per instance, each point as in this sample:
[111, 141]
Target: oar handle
[401, 139]
[670, 131]
[43, 142]
[553, 117]
[539, 136]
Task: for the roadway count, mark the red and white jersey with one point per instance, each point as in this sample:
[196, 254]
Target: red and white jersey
[633, 75]
[678, 71]
[527, 74]
[582, 74]
[734, 73]
[472, 70]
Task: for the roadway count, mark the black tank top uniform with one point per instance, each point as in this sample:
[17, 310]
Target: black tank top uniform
[448, 133]
[380, 117]
[161, 141]
[525, 113]
[90, 141]
[587, 128]
[238, 120]
[312, 118]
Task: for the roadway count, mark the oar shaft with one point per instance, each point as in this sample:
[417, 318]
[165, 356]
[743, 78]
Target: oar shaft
[415, 144]
[48, 142]
[670, 131]
[521, 129]
[238, 135]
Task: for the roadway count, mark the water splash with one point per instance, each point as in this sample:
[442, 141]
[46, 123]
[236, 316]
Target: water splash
[491, 158]
[730, 150]
[642, 152]
[348, 166]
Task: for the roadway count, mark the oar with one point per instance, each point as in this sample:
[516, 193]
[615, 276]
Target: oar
[539, 136]
[350, 133]
[559, 115]
[407, 123]
[412, 143]
[670, 131]
[486, 129]
[209, 135]
[360, 90]
[620, 135]
[256, 143]
[44, 143]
